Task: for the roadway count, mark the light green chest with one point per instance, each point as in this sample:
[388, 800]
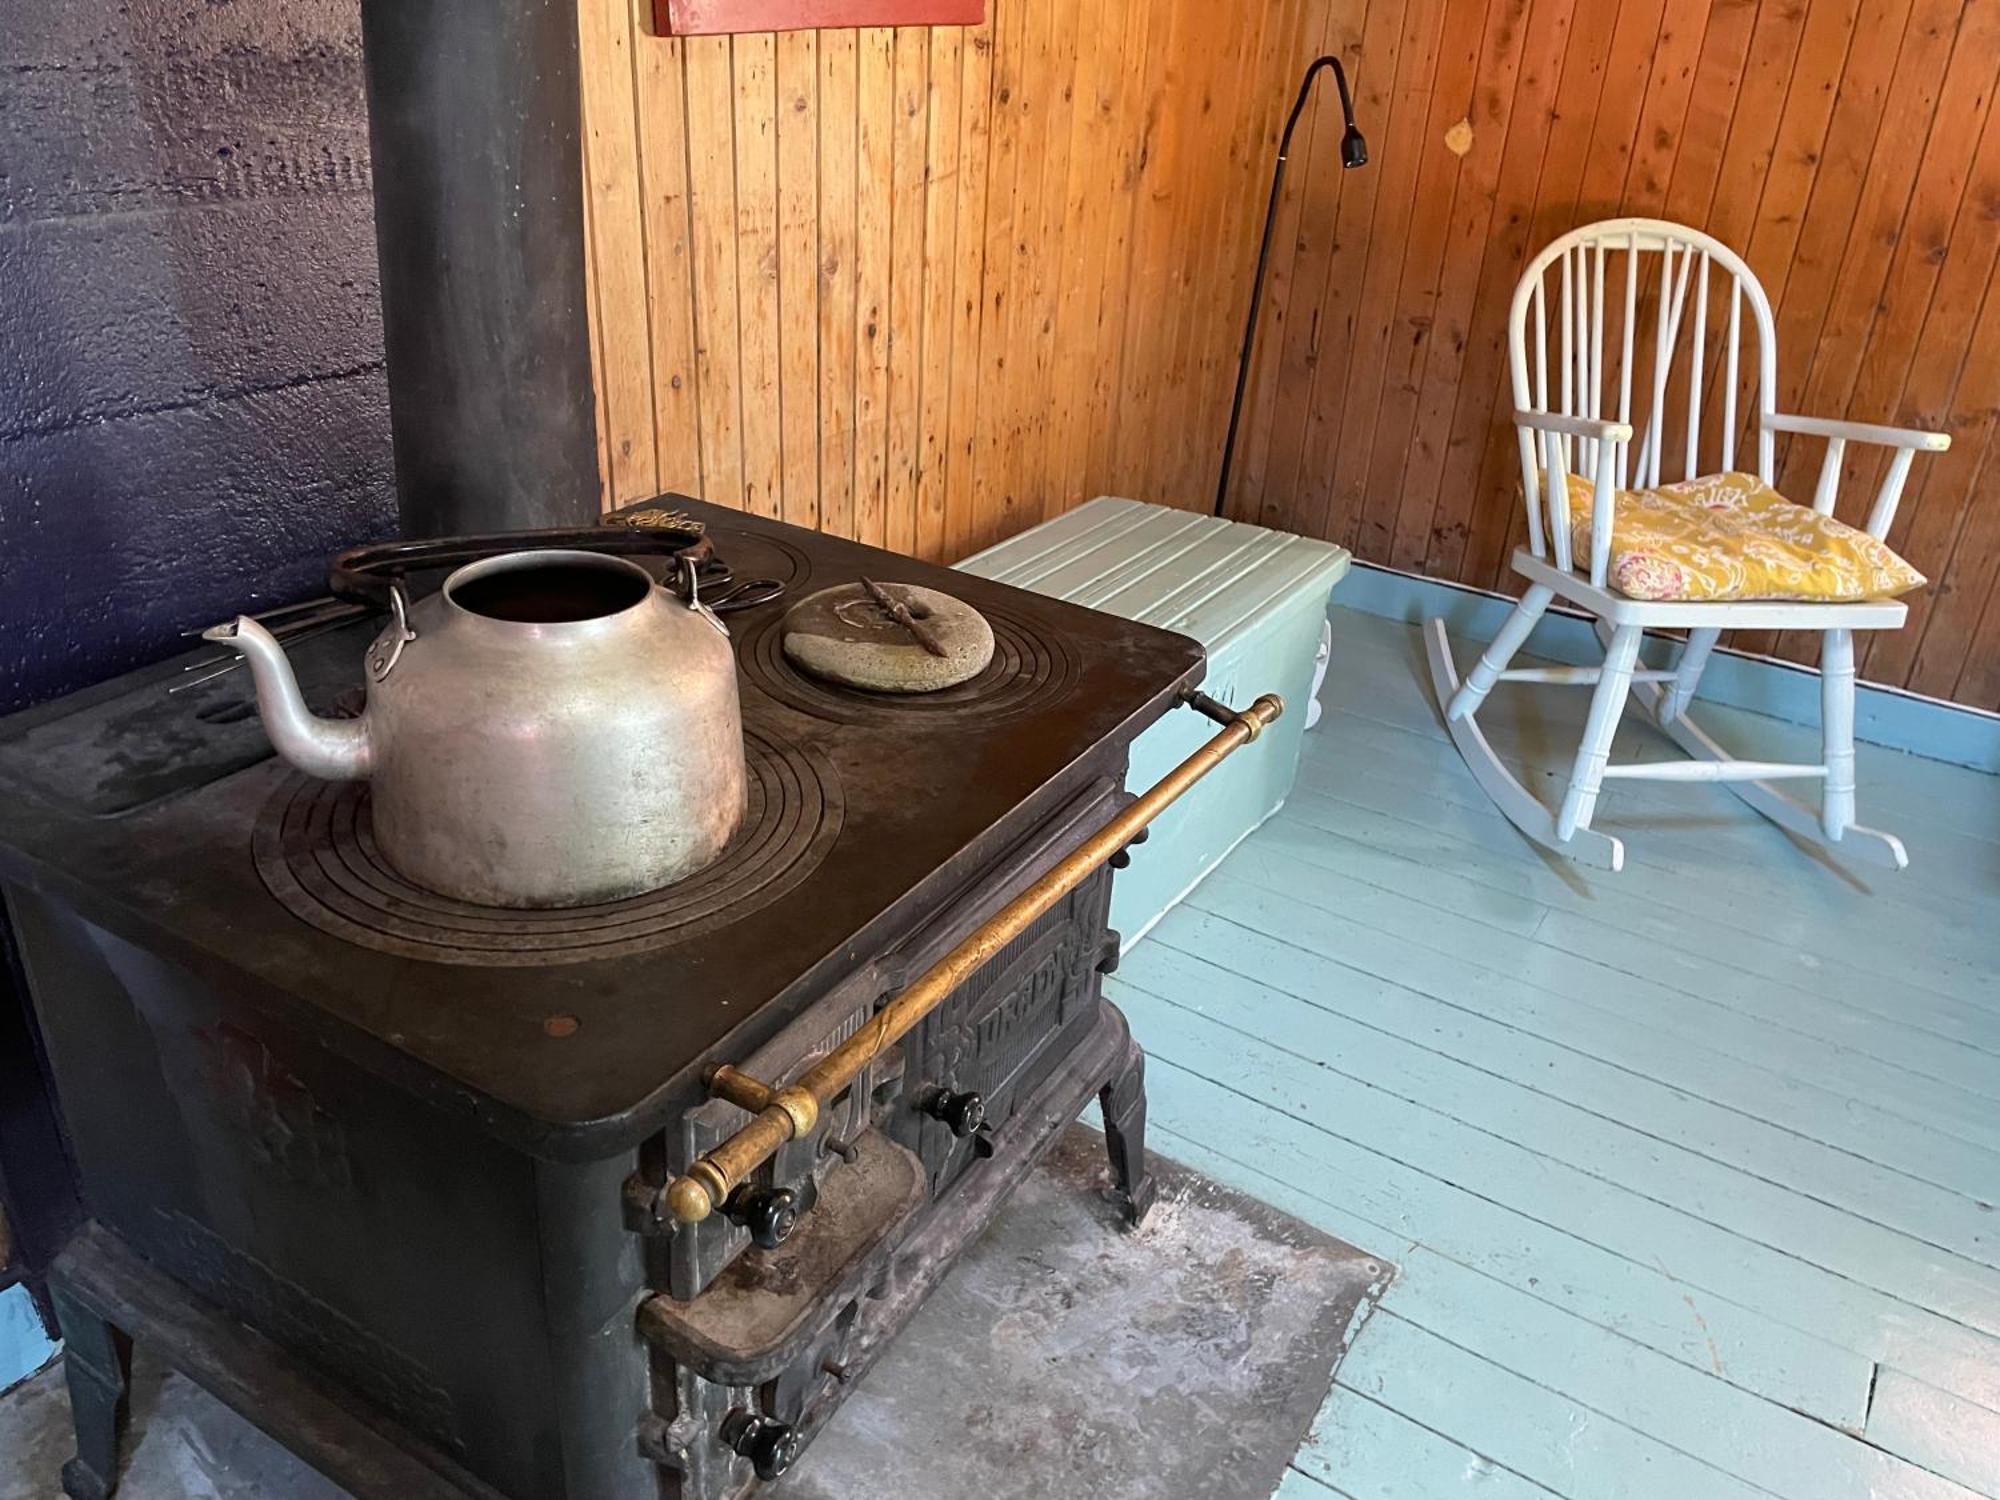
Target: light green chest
[1255, 599]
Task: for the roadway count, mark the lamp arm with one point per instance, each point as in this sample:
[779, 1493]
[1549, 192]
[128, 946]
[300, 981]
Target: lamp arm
[1264, 252]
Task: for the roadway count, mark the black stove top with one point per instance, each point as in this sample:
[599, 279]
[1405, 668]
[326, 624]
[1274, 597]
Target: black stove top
[165, 820]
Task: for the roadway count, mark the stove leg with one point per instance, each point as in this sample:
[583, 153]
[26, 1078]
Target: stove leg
[1123, 1100]
[97, 1362]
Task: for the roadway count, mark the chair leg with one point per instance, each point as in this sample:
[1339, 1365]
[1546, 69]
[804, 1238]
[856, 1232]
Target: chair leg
[1515, 802]
[1836, 709]
[1606, 704]
[1493, 661]
[1687, 674]
[1870, 845]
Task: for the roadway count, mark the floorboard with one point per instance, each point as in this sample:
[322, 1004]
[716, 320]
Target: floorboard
[1369, 927]
[1691, 1171]
[1391, 1032]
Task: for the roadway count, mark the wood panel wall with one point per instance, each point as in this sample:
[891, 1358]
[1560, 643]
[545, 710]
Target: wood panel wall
[927, 287]
[1849, 148]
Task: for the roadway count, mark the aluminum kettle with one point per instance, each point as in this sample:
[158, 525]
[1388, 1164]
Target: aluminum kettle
[549, 728]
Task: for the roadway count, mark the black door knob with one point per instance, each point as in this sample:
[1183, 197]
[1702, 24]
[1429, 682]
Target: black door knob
[770, 1214]
[961, 1114]
[769, 1444]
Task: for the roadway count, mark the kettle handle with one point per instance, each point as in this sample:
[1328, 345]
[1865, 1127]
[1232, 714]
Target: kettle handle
[367, 574]
[382, 659]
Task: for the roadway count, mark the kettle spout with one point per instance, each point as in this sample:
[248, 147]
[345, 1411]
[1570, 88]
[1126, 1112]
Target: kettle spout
[332, 749]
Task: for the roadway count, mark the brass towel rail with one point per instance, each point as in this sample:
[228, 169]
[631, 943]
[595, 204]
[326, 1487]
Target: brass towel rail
[787, 1113]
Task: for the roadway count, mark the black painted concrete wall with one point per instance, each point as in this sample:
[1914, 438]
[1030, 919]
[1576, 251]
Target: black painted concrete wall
[192, 405]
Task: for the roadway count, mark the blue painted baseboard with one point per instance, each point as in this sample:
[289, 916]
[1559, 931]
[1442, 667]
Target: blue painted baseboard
[24, 1347]
[1784, 690]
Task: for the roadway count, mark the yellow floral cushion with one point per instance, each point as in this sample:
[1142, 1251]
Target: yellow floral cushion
[1731, 536]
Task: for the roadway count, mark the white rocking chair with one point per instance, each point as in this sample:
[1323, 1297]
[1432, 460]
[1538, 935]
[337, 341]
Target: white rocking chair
[1567, 430]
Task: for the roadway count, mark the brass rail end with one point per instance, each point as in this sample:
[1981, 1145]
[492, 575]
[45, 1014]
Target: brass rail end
[693, 1197]
[1259, 715]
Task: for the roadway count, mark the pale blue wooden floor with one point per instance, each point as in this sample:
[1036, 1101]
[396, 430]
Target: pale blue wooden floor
[1691, 1171]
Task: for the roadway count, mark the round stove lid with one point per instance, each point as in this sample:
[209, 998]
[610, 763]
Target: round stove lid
[887, 637]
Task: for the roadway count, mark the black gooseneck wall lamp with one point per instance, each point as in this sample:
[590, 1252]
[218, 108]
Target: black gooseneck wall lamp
[1353, 153]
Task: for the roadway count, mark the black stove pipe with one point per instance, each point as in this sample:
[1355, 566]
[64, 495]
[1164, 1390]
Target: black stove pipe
[475, 128]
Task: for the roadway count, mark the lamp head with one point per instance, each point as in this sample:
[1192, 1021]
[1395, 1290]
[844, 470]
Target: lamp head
[1353, 148]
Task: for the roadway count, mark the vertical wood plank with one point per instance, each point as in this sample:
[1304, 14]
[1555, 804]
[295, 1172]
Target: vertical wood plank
[1034, 103]
[1711, 108]
[1129, 173]
[1978, 681]
[798, 274]
[757, 269]
[1007, 115]
[1470, 54]
[1396, 205]
[1921, 157]
[1466, 429]
[594, 310]
[660, 78]
[839, 191]
[968, 277]
[1101, 70]
[1856, 214]
[1047, 263]
[1505, 144]
[711, 153]
[1215, 283]
[941, 187]
[874, 163]
[908, 222]
[1939, 663]
[1157, 211]
[618, 247]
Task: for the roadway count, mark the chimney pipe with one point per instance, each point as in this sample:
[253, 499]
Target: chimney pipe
[475, 128]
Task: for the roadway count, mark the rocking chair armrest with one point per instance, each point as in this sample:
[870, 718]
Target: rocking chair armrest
[1583, 427]
[1914, 438]
[1907, 441]
[1554, 427]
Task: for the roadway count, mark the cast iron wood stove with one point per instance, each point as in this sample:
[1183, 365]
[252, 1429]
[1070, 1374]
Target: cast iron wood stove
[397, 1175]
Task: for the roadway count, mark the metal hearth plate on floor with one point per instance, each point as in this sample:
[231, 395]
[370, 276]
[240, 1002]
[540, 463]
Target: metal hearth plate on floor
[1061, 1356]
[1064, 1357]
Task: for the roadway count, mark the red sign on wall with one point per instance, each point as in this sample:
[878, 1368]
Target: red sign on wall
[707, 17]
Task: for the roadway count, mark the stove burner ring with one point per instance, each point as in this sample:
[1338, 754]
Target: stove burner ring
[1030, 670]
[316, 852]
